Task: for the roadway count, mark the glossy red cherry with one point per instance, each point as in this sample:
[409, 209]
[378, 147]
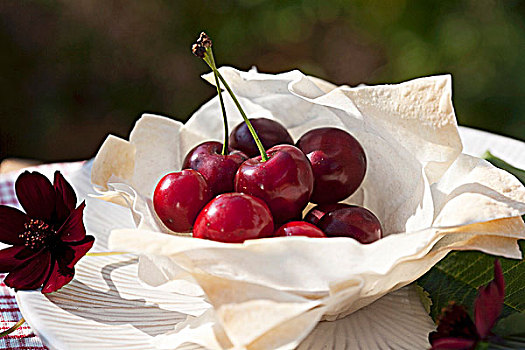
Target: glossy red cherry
[284, 181]
[179, 197]
[354, 222]
[270, 133]
[316, 213]
[218, 170]
[338, 162]
[299, 228]
[234, 218]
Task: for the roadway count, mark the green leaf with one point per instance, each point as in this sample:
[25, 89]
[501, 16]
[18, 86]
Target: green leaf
[482, 346]
[511, 343]
[460, 274]
[424, 297]
[513, 325]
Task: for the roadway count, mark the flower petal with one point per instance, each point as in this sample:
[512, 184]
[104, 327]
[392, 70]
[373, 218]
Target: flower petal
[12, 223]
[36, 195]
[453, 343]
[58, 277]
[32, 274]
[489, 302]
[454, 322]
[77, 250]
[9, 259]
[66, 199]
[73, 228]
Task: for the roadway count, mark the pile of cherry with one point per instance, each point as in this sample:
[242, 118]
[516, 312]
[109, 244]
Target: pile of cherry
[239, 195]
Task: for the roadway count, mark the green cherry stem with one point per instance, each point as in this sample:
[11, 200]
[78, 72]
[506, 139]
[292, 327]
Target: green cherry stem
[224, 118]
[12, 329]
[208, 58]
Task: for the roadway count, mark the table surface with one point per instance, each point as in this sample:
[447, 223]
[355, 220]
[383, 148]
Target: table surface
[23, 338]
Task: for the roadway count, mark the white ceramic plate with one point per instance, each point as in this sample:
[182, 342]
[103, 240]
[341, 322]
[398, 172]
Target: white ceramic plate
[105, 306]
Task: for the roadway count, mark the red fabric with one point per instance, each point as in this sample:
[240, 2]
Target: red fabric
[23, 338]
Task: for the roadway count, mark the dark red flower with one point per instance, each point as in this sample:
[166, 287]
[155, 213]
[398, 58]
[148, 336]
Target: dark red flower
[455, 327]
[488, 304]
[48, 240]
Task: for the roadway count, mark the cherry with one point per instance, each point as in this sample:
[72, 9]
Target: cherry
[354, 222]
[316, 213]
[270, 132]
[284, 181]
[218, 170]
[299, 228]
[212, 159]
[338, 162]
[179, 197]
[234, 218]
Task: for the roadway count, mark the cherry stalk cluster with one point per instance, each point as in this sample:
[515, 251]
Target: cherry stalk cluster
[257, 183]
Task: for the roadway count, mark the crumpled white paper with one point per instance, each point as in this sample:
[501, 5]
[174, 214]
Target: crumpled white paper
[270, 293]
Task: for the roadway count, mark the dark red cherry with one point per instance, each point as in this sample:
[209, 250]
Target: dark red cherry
[316, 213]
[285, 181]
[299, 228]
[218, 170]
[355, 222]
[270, 133]
[179, 197]
[234, 218]
[338, 162]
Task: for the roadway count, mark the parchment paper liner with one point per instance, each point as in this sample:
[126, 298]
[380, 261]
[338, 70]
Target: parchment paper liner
[270, 293]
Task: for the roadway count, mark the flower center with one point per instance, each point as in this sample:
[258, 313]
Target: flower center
[37, 234]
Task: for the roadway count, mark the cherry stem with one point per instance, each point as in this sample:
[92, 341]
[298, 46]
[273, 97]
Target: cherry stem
[210, 60]
[12, 329]
[211, 63]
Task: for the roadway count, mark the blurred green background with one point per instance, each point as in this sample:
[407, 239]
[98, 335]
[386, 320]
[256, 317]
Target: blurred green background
[74, 71]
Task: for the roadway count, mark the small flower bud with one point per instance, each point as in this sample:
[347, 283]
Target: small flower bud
[198, 50]
[201, 45]
[204, 40]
